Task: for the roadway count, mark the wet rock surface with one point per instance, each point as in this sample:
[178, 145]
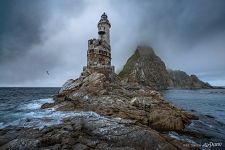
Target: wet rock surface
[144, 106]
[88, 132]
[109, 115]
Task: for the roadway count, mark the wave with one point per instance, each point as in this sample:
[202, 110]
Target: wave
[30, 115]
[35, 104]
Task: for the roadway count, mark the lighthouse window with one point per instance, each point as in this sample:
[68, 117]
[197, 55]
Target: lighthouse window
[91, 51]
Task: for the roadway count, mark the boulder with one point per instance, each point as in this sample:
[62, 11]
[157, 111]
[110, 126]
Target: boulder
[167, 119]
[143, 102]
[70, 84]
[93, 83]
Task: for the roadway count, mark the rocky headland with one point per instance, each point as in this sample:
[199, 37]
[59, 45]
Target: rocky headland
[112, 116]
[180, 79]
[114, 112]
[146, 68]
[135, 114]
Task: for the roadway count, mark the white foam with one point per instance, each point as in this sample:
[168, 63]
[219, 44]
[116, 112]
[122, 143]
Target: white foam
[36, 104]
[1, 125]
[180, 137]
[48, 117]
[30, 115]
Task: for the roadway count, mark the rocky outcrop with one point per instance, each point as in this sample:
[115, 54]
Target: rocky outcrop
[146, 68]
[110, 115]
[113, 112]
[121, 115]
[95, 93]
[89, 132]
[180, 79]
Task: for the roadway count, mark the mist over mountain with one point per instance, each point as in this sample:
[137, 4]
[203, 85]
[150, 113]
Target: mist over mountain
[50, 36]
[146, 68]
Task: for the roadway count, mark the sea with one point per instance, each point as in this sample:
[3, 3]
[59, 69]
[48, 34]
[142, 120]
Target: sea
[209, 106]
[21, 107]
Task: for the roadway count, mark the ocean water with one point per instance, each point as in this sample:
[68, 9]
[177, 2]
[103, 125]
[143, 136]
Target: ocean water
[209, 106]
[21, 106]
[203, 101]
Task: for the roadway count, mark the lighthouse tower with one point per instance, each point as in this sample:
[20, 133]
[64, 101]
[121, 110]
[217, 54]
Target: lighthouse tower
[104, 29]
[99, 50]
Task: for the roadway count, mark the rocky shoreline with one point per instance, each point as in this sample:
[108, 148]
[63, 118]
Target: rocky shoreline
[92, 132]
[113, 115]
[119, 117]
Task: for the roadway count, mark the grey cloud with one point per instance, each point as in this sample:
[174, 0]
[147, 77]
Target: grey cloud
[52, 35]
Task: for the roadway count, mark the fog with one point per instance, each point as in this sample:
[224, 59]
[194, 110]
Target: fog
[52, 35]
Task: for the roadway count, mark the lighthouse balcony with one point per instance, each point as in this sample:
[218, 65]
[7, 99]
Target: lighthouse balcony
[101, 32]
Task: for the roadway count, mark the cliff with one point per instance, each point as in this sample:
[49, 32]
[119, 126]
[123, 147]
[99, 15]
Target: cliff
[146, 68]
[180, 79]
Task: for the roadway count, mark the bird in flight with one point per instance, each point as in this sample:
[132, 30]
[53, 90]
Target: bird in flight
[47, 73]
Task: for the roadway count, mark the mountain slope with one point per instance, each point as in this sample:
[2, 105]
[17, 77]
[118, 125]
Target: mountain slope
[146, 68]
[180, 79]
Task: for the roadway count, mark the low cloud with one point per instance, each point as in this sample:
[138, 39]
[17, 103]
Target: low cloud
[40, 36]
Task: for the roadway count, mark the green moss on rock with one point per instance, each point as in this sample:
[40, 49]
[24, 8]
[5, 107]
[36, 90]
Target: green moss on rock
[127, 69]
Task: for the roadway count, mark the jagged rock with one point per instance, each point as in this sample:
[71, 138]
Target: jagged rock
[93, 131]
[146, 68]
[168, 119]
[135, 115]
[47, 105]
[180, 79]
[94, 82]
[21, 144]
[134, 108]
[144, 102]
[114, 99]
[70, 84]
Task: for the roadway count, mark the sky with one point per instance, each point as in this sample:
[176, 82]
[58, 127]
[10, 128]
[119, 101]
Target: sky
[40, 36]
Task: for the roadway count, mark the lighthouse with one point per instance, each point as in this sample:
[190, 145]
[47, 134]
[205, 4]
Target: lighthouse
[99, 50]
[104, 29]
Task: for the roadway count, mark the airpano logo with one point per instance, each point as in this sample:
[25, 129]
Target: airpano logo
[211, 144]
[205, 146]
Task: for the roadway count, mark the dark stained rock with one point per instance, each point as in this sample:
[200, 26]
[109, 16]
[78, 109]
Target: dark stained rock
[47, 105]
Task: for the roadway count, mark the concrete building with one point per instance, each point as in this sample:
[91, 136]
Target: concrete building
[99, 50]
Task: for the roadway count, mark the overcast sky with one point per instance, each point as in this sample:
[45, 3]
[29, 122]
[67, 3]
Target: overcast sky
[51, 35]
